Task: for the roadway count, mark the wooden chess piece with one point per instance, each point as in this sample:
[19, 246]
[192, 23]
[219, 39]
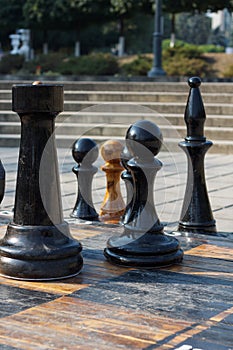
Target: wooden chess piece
[37, 244]
[143, 242]
[85, 152]
[113, 205]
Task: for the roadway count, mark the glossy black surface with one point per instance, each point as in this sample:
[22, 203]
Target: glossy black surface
[85, 152]
[37, 244]
[143, 242]
[2, 181]
[128, 179]
[196, 215]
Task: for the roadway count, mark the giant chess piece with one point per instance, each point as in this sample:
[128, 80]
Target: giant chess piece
[37, 244]
[85, 152]
[143, 242]
[2, 181]
[196, 215]
[128, 179]
[113, 205]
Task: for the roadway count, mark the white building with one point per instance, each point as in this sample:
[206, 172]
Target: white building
[223, 21]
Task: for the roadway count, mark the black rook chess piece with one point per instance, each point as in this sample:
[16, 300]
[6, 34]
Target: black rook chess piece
[196, 214]
[143, 242]
[85, 152]
[37, 244]
[2, 181]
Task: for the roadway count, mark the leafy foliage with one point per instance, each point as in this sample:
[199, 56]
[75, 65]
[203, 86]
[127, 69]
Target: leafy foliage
[45, 63]
[199, 48]
[184, 60]
[178, 6]
[140, 66]
[94, 64]
[11, 64]
[228, 73]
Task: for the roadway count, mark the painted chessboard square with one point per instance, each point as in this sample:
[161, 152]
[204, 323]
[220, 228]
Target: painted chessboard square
[14, 300]
[191, 298]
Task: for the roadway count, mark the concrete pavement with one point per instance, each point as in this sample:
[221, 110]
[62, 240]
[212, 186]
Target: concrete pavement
[168, 190]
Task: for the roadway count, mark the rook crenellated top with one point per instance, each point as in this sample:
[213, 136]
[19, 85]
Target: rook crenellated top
[37, 98]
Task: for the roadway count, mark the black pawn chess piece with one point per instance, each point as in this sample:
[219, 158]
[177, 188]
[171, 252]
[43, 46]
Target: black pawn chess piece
[196, 214]
[143, 242]
[2, 181]
[128, 179]
[85, 152]
[37, 244]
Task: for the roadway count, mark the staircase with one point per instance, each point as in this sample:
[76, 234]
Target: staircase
[105, 110]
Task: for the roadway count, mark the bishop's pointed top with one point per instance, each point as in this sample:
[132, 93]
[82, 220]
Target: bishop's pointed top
[195, 112]
[194, 82]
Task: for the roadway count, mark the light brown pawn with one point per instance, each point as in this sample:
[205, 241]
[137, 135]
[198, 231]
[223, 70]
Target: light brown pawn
[113, 205]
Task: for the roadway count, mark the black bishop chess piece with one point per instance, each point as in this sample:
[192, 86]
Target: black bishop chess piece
[196, 214]
[38, 244]
[143, 242]
[85, 153]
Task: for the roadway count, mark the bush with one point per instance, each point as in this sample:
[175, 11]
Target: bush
[47, 63]
[184, 60]
[11, 64]
[140, 66]
[201, 48]
[166, 43]
[186, 67]
[228, 73]
[187, 51]
[94, 64]
[211, 48]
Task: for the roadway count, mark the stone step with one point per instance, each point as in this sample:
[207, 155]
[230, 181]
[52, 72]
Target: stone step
[209, 87]
[129, 96]
[141, 97]
[119, 130]
[104, 110]
[131, 117]
[146, 86]
[169, 144]
[168, 107]
[121, 118]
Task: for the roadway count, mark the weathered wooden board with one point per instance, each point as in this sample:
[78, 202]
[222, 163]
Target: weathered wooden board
[107, 306]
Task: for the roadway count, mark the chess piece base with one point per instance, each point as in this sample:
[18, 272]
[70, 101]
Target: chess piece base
[149, 250]
[91, 217]
[109, 217]
[208, 229]
[39, 253]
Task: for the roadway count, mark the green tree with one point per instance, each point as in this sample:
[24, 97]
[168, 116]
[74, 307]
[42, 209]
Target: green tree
[193, 28]
[11, 18]
[68, 15]
[126, 11]
[201, 6]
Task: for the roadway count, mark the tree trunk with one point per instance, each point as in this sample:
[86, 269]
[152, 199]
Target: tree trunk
[173, 35]
[121, 42]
